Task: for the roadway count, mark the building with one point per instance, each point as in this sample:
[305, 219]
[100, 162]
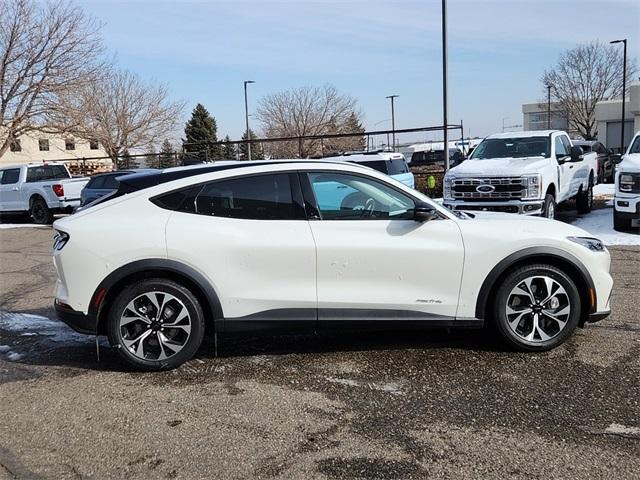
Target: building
[608, 115]
[534, 117]
[42, 147]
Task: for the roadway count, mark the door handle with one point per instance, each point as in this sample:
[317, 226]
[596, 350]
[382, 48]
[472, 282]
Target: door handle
[15, 189]
[570, 166]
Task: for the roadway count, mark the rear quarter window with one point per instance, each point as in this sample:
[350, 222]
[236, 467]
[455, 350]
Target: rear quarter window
[397, 166]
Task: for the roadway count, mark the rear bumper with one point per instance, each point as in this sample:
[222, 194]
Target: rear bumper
[80, 322]
[522, 207]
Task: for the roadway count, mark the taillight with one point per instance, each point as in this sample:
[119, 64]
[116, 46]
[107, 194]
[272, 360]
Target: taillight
[60, 240]
[58, 190]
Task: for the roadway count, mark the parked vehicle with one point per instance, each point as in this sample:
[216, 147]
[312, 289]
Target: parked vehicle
[626, 210]
[253, 246]
[41, 189]
[104, 183]
[523, 172]
[606, 165]
[436, 157]
[389, 163]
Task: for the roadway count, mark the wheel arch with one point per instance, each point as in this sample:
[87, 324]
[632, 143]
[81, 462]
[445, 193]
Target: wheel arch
[552, 256]
[551, 190]
[112, 285]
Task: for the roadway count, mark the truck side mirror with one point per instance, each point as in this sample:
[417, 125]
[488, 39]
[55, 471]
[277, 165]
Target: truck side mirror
[576, 153]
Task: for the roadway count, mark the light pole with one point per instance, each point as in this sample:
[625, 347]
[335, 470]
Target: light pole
[624, 89]
[503, 119]
[246, 117]
[444, 85]
[393, 121]
[549, 106]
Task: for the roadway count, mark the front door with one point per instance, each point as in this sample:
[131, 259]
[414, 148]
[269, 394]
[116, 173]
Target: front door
[9, 189]
[375, 263]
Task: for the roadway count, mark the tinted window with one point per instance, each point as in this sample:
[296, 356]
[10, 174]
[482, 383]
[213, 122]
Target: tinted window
[46, 172]
[180, 200]
[560, 150]
[352, 197]
[396, 167]
[379, 165]
[96, 182]
[10, 176]
[111, 181]
[512, 148]
[260, 197]
[585, 148]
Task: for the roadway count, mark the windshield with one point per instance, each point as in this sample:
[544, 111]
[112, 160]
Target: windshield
[512, 148]
[635, 146]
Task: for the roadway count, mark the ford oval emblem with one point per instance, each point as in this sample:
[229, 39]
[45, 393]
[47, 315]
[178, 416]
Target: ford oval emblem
[485, 188]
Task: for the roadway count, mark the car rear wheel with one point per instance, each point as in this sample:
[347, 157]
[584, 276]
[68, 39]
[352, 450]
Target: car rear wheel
[537, 308]
[156, 324]
[40, 212]
[584, 200]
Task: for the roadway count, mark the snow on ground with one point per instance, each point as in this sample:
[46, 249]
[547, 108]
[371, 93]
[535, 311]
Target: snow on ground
[599, 223]
[604, 190]
[21, 225]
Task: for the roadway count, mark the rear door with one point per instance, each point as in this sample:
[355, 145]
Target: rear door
[249, 236]
[375, 263]
[10, 189]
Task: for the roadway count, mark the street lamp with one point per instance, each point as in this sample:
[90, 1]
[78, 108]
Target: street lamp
[624, 89]
[393, 121]
[444, 85]
[246, 117]
[503, 119]
[548, 106]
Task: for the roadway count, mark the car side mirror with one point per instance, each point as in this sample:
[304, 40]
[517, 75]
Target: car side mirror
[424, 213]
[576, 153]
[616, 158]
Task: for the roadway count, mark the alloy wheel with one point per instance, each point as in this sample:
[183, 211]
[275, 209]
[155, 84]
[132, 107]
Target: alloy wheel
[538, 309]
[551, 211]
[155, 326]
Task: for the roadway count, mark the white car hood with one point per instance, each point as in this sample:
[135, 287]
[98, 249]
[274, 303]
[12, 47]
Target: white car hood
[499, 166]
[630, 163]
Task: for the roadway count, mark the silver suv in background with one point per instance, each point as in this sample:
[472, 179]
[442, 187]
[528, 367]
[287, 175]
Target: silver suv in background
[389, 163]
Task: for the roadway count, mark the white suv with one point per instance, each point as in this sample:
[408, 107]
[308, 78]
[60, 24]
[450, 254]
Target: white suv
[248, 246]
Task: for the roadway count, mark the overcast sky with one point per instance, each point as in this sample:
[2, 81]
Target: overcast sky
[498, 50]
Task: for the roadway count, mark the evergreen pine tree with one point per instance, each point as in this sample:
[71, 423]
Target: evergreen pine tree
[257, 153]
[126, 161]
[202, 128]
[353, 125]
[167, 157]
[229, 149]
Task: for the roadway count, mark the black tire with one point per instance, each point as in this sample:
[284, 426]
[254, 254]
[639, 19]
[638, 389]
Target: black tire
[619, 223]
[161, 286]
[584, 199]
[549, 207]
[40, 212]
[516, 278]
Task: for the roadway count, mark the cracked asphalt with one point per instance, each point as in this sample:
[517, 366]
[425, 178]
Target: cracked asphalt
[431, 404]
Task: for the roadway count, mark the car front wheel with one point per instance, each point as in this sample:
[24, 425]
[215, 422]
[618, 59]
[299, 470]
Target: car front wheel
[536, 308]
[156, 324]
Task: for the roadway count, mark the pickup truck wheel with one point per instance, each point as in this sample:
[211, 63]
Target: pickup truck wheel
[156, 324]
[619, 223]
[584, 199]
[549, 207]
[40, 212]
[537, 307]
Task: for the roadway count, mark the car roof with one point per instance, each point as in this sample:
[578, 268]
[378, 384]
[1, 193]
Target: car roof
[30, 165]
[127, 171]
[356, 157]
[528, 134]
[585, 142]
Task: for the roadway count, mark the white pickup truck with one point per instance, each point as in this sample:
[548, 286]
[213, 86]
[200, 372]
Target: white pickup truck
[523, 172]
[41, 189]
[626, 212]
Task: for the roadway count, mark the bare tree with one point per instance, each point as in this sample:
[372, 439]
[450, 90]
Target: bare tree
[121, 112]
[584, 76]
[45, 51]
[303, 111]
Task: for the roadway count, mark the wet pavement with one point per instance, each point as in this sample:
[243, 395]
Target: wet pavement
[431, 404]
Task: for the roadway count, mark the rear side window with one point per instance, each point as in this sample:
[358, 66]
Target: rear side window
[396, 167]
[111, 181]
[9, 177]
[379, 165]
[260, 197]
[46, 172]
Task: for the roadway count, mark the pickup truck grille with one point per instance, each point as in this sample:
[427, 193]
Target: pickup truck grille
[504, 188]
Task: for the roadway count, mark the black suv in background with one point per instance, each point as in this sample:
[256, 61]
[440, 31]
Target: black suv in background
[606, 165]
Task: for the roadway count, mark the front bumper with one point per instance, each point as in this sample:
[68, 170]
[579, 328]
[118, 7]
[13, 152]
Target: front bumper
[627, 207]
[597, 316]
[532, 207]
[80, 322]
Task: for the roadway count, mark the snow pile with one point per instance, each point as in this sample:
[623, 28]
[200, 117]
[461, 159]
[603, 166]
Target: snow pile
[599, 223]
[604, 190]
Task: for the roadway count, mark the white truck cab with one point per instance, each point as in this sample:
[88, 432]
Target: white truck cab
[626, 212]
[40, 189]
[523, 172]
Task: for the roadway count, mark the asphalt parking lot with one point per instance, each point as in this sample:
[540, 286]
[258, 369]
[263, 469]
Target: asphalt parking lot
[432, 404]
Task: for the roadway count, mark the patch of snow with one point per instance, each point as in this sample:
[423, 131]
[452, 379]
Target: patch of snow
[14, 356]
[21, 225]
[599, 223]
[604, 190]
[393, 388]
[4, 348]
[617, 429]
[26, 324]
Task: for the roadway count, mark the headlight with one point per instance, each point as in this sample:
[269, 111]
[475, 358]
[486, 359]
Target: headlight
[592, 244]
[60, 240]
[626, 182]
[447, 188]
[533, 184]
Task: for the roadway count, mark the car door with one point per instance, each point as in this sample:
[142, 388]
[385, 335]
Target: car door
[10, 189]
[374, 262]
[249, 236]
[565, 169]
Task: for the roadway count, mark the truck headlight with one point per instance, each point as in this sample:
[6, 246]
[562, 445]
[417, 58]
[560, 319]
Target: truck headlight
[533, 184]
[626, 182]
[447, 188]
